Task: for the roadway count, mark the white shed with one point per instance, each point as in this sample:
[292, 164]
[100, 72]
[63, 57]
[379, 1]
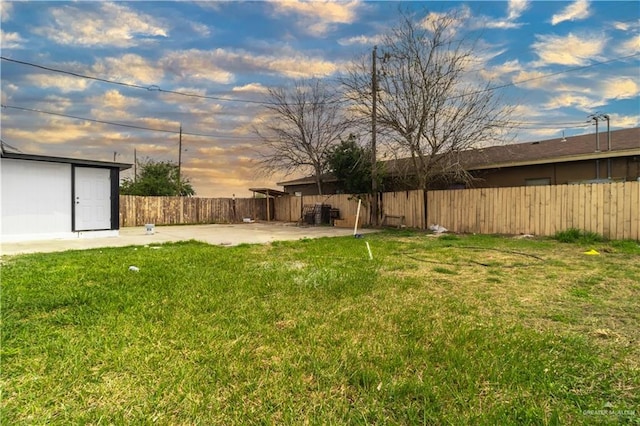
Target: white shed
[53, 197]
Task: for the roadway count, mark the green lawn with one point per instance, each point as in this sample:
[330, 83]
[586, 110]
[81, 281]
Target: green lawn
[451, 330]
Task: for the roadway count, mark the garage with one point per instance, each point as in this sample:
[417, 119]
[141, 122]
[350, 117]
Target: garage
[46, 197]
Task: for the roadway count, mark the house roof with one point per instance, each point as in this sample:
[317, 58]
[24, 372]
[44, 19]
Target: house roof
[625, 142]
[76, 161]
[309, 180]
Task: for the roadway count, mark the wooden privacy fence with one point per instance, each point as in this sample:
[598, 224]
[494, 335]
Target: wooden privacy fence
[289, 208]
[609, 209]
[409, 204]
[136, 211]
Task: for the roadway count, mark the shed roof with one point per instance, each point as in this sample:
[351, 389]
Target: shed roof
[67, 160]
[268, 192]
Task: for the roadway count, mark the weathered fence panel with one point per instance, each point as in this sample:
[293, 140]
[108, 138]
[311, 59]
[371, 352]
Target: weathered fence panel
[136, 211]
[289, 208]
[609, 209]
[409, 204]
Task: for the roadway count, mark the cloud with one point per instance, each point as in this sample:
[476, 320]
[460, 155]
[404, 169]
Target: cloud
[457, 19]
[622, 26]
[514, 11]
[219, 65]
[115, 100]
[111, 25]
[570, 50]
[200, 29]
[533, 79]
[501, 24]
[318, 17]
[55, 131]
[158, 123]
[497, 72]
[10, 40]
[184, 101]
[624, 121]
[196, 64]
[516, 7]
[56, 104]
[573, 12]
[129, 68]
[6, 91]
[569, 100]
[64, 83]
[361, 40]
[621, 88]
[6, 8]
[112, 105]
[251, 87]
[599, 94]
[630, 46]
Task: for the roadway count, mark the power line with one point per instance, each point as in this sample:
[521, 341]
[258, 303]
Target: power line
[540, 77]
[155, 88]
[521, 125]
[131, 126]
[150, 88]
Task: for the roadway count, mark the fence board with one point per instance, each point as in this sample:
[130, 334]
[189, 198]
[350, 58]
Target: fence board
[635, 211]
[610, 209]
[136, 211]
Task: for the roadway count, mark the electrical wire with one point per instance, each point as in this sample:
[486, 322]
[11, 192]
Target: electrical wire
[156, 88]
[150, 88]
[540, 77]
[131, 126]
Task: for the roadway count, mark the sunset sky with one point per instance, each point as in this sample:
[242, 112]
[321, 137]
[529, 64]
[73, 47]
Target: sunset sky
[556, 61]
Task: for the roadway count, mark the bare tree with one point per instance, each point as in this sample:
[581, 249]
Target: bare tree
[305, 122]
[428, 103]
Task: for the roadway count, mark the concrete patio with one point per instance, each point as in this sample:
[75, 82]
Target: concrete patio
[219, 234]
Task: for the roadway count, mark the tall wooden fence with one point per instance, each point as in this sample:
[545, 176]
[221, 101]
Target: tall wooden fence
[609, 209]
[409, 204]
[136, 211]
[290, 208]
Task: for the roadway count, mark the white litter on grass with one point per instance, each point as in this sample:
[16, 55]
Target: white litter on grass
[437, 229]
[134, 268]
[524, 236]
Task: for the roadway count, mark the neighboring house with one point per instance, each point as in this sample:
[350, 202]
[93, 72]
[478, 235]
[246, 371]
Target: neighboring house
[549, 162]
[52, 197]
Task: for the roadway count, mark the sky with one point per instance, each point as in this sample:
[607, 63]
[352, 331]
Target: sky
[71, 71]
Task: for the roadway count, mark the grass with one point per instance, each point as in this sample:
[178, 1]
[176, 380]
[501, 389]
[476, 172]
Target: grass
[464, 330]
[574, 235]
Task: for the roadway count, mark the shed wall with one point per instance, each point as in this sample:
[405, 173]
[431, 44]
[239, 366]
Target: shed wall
[36, 200]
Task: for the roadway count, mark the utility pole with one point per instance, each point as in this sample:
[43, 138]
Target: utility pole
[595, 118]
[179, 161]
[374, 101]
[135, 165]
[606, 117]
[114, 156]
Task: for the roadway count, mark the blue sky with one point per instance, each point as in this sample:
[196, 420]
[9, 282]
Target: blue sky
[561, 61]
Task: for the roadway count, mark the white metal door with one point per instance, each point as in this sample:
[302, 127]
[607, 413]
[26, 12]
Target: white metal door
[92, 199]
